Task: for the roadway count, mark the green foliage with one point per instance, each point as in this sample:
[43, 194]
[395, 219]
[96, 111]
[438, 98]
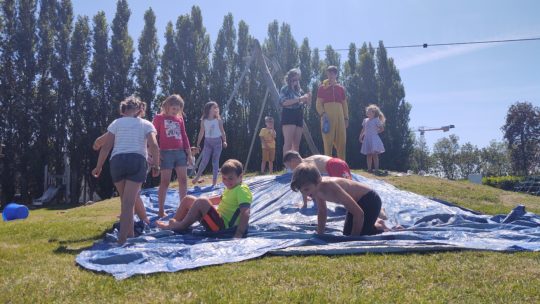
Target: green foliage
[522, 132]
[495, 159]
[120, 60]
[60, 84]
[446, 154]
[502, 182]
[391, 99]
[147, 63]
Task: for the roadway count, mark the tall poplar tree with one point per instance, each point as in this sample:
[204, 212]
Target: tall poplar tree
[102, 109]
[80, 116]
[166, 65]
[46, 91]
[120, 61]
[147, 63]
[24, 111]
[391, 99]
[8, 83]
[62, 41]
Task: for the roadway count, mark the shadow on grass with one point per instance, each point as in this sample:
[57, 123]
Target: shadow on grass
[68, 250]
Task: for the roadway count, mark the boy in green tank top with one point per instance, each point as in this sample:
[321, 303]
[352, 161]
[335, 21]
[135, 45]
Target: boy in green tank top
[233, 209]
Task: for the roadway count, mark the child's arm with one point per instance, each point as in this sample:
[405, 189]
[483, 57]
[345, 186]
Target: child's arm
[361, 137]
[321, 215]
[264, 143]
[223, 135]
[98, 143]
[154, 150]
[201, 134]
[107, 142]
[342, 197]
[243, 224]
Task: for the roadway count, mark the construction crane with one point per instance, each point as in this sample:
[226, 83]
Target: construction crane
[422, 130]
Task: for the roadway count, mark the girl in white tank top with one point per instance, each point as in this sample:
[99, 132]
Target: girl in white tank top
[215, 140]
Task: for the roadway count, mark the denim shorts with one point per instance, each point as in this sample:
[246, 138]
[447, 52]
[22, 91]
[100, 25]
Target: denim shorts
[171, 159]
[130, 166]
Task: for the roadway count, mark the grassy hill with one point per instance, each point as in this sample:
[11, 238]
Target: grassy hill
[37, 264]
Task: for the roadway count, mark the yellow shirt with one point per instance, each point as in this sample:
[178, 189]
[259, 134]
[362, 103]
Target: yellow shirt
[268, 136]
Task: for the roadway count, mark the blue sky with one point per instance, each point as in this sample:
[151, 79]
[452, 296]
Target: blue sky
[469, 86]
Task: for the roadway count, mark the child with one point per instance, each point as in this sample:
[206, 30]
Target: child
[332, 166]
[362, 203]
[214, 140]
[191, 165]
[268, 142]
[233, 211]
[129, 135]
[372, 145]
[173, 147]
[140, 210]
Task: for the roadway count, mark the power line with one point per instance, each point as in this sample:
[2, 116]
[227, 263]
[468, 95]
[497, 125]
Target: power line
[426, 45]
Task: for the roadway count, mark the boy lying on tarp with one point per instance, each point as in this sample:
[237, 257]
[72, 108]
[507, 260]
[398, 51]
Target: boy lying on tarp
[233, 209]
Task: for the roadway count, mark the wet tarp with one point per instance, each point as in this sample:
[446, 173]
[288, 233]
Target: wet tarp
[278, 226]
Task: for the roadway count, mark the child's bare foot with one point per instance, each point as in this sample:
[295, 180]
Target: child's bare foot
[165, 224]
[162, 214]
[162, 224]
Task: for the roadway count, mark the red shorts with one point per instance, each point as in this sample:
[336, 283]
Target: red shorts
[338, 168]
[212, 221]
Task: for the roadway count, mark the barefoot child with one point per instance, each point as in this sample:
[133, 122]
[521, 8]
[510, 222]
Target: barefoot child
[140, 210]
[215, 140]
[129, 135]
[232, 211]
[372, 145]
[363, 204]
[332, 166]
[174, 147]
[268, 143]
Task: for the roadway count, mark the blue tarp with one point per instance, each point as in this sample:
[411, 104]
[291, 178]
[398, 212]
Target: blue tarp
[278, 226]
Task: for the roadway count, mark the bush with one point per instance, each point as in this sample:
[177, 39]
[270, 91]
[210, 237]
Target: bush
[502, 182]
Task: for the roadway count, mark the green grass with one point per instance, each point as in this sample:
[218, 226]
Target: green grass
[37, 264]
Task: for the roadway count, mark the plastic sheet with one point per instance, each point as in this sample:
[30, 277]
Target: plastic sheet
[278, 226]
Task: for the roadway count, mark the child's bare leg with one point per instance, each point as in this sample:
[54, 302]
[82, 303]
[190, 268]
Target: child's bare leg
[376, 161]
[130, 191]
[185, 205]
[369, 159]
[140, 210]
[270, 167]
[162, 192]
[196, 212]
[263, 166]
[181, 174]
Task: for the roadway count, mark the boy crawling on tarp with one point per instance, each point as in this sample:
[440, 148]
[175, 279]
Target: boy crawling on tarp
[362, 203]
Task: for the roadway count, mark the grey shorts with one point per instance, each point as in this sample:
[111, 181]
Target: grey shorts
[171, 159]
[130, 166]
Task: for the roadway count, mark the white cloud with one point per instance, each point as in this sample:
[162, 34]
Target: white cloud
[435, 53]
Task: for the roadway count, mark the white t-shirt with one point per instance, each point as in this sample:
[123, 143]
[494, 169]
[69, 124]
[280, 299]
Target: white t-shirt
[211, 128]
[130, 135]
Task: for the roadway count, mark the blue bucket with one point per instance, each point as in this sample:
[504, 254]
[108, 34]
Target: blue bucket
[14, 212]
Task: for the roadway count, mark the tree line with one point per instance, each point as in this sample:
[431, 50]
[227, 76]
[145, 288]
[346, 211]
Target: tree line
[518, 155]
[62, 77]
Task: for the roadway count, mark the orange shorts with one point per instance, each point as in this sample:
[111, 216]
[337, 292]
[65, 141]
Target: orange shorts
[268, 155]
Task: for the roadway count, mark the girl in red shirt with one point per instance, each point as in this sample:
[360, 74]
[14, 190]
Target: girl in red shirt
[174, 147]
